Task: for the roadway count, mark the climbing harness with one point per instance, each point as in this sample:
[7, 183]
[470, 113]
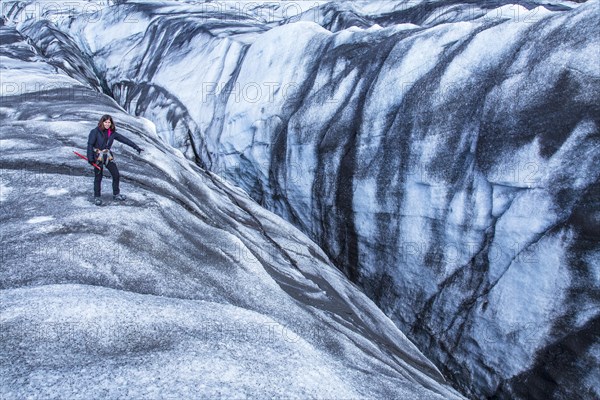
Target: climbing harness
[104, 156]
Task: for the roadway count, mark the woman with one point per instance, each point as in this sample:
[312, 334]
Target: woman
[98, 152]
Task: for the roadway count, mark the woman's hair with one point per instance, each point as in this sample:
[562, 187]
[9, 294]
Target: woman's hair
[104, 118]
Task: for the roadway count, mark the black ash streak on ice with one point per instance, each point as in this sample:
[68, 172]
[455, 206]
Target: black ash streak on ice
[498, 163]
[187, 289]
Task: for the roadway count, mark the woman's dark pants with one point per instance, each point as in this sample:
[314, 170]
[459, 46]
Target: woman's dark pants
[114, 172]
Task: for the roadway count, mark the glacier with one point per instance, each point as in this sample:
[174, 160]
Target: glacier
[444, 155]
[187, 290]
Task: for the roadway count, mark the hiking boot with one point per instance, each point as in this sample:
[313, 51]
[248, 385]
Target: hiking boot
[97, 201]
[118, 197]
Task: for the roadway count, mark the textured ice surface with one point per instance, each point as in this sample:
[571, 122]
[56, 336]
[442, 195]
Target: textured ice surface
[443, 154]
[187, 289]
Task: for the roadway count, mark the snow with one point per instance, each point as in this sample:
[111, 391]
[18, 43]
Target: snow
[55, 191]
[4, 192]
[40, 219]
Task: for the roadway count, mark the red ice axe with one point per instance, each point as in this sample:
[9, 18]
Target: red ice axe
[85, 158]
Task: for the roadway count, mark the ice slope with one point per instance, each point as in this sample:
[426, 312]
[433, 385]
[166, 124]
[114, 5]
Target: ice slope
[443, 154]
[187, 290]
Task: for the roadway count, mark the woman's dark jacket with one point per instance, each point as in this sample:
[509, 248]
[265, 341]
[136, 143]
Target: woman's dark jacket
[99, 140]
